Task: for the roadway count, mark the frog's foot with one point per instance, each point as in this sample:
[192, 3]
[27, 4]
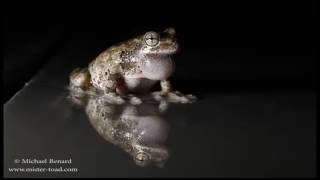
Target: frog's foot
[134, 100]
[113, 98]
[174, 97]
[163, 105]
[77, 96]
[75, 90]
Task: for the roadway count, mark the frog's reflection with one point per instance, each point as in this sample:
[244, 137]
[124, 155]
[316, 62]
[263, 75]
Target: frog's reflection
[140, 130]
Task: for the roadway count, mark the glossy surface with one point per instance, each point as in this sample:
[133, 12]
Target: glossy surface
[269, 134]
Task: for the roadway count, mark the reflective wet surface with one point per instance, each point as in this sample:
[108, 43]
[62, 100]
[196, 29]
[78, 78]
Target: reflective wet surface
[238, 134]
[140, 130]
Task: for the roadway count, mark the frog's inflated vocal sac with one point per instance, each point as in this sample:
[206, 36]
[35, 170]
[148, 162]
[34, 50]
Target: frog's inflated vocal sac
[133, 66]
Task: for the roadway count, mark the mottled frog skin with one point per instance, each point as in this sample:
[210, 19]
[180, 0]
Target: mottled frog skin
[139, 130]
[133, 66]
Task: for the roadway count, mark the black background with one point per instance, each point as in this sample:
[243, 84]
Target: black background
[235, 46]
[265, 48]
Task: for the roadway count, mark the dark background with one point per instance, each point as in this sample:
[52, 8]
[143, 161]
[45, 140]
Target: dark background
[236, 46]
[252, 65]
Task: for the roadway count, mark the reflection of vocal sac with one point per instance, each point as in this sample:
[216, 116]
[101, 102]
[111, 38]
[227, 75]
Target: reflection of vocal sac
[138, 130]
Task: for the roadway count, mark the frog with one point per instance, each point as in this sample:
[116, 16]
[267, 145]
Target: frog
[141, 131]
[133, 67]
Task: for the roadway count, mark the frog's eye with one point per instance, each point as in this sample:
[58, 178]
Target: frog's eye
[152, 39]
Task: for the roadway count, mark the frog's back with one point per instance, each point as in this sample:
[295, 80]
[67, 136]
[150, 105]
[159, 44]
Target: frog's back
[113, 53]
[105, 67]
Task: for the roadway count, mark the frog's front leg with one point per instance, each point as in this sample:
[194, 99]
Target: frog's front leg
[167, 94]
[165, 87]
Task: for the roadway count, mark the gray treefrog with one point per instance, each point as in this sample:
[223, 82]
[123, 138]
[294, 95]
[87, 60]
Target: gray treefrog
[133, 66]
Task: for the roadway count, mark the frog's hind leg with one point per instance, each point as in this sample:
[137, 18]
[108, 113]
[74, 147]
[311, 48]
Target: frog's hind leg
[108, 83]
[80, 78]
[79, 85]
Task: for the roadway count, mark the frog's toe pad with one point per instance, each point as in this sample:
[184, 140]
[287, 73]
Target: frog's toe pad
[174, 97]
[113, 98]
[135, 100]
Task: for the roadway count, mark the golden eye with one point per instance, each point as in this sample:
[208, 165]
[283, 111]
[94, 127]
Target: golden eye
[152, 38]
